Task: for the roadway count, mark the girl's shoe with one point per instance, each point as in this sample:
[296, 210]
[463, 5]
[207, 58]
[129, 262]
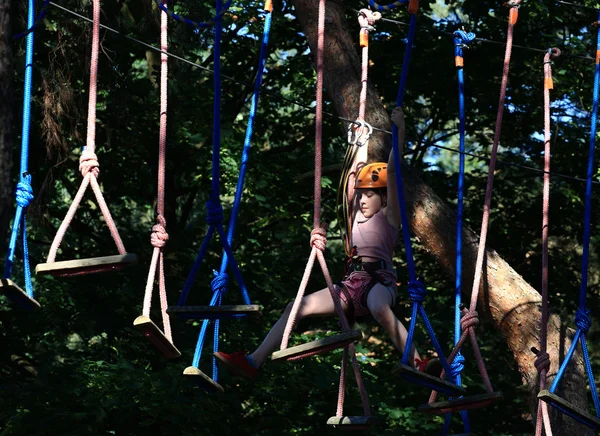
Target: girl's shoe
[238, 364]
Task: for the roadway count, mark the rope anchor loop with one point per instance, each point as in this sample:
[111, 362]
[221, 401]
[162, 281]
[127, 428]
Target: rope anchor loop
[360, 135]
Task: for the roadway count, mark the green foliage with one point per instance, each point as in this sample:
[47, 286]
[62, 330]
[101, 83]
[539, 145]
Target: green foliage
[96, 375]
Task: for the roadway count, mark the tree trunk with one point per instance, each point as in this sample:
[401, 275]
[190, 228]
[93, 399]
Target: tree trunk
[510, 304]
[6, 111]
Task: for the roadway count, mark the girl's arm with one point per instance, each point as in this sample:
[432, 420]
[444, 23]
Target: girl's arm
[392, 210]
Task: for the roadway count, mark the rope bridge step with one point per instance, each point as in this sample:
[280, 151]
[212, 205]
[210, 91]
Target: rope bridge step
[353, 422]
[91, 265]
[17, 295]
[156, 337]
[202, 379]
[215, 312]
[419, 377]
[569, 409]
[317, 347]
[464, 403]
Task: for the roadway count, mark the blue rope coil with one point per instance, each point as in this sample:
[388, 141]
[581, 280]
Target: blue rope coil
[583, 320]
[417, 291]
[457, 366]
[214, 211]
[219, 283]
[24, 193]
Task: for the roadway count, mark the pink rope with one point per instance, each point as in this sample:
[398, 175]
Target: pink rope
[542, 361]
[88, 162]
[159, 233]
[342, 388]
[318, 240]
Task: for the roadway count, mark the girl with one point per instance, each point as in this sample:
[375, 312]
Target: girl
[370, 287]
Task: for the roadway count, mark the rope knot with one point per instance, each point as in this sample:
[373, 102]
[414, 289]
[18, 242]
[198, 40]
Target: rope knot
[318, 237]
[219, 283]
[463, 38]
[88, 162]
[214, 211]
[366, 19]
[159, 236]
[583, 320]
[417, 291]
[457, 366]
[542, 361]
[24, 193]
[469, 320]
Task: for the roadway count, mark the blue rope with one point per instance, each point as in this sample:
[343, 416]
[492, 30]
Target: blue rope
[582, 315]
[416, 289]
[24, 192]
[220, 283]
[33, 25]
[214, 21]
[384, 8]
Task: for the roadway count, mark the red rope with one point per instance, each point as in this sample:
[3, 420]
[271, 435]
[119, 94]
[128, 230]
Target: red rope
[542, 361]
[88, 162]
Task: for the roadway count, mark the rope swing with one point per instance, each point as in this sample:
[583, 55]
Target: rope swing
[90, 169]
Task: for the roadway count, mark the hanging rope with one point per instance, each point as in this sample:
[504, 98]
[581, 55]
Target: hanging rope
[219, 284]
[88, 162]
[461, 41]
[24, 193]
[542, 361]
[159, 235]
[470, 317]
[34, 24]
[582, 318]
[318, 239]
[210, 23]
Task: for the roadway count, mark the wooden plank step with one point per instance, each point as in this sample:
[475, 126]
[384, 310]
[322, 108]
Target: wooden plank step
[202, 379]
[91, 265]
[215, 312]
[18, 295]
[421, 378]
[318, 346]
[569, 409]
[156, 337]
[464, 403]
[353, 422]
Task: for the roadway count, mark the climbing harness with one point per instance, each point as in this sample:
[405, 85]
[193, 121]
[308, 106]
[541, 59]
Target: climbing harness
[24, 193]
[161, 339]
[582, 315]
[219, 285]
[542, 361]
[89, 167]
[318, 242]
[470, 317]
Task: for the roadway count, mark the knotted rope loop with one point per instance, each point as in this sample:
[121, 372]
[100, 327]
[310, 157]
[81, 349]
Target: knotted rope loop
[24, 193]
[463, 39]
[542, 362]
[359, 135]
[88, 162]
[366, 19]
[219, 283]
[469, 320]
[159, 236]
[457, 366]
[417, 291]
[552, 53]
[318, 237]
[214, 211]
[583, 320]
[413, 7]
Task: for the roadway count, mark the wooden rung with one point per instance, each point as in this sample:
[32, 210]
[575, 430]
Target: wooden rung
[464, 403]
[318, 346]
[353, 422]
[214, 312]
[419, 377]
[18, 295]
[156, 337]
[569, 409]
[202, 379]
[92, 265]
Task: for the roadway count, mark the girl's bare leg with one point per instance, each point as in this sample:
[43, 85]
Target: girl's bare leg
[316, 304]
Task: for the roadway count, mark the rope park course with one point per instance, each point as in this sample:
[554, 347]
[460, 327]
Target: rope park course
[466, 318]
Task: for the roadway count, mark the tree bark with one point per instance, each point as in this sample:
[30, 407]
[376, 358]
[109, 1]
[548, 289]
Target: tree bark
[6, 111]
[510, 304]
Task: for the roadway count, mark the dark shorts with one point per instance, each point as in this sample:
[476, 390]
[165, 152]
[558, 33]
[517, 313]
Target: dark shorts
[357, 290]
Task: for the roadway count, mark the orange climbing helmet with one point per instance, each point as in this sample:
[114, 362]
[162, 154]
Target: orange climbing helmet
[372, 176]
